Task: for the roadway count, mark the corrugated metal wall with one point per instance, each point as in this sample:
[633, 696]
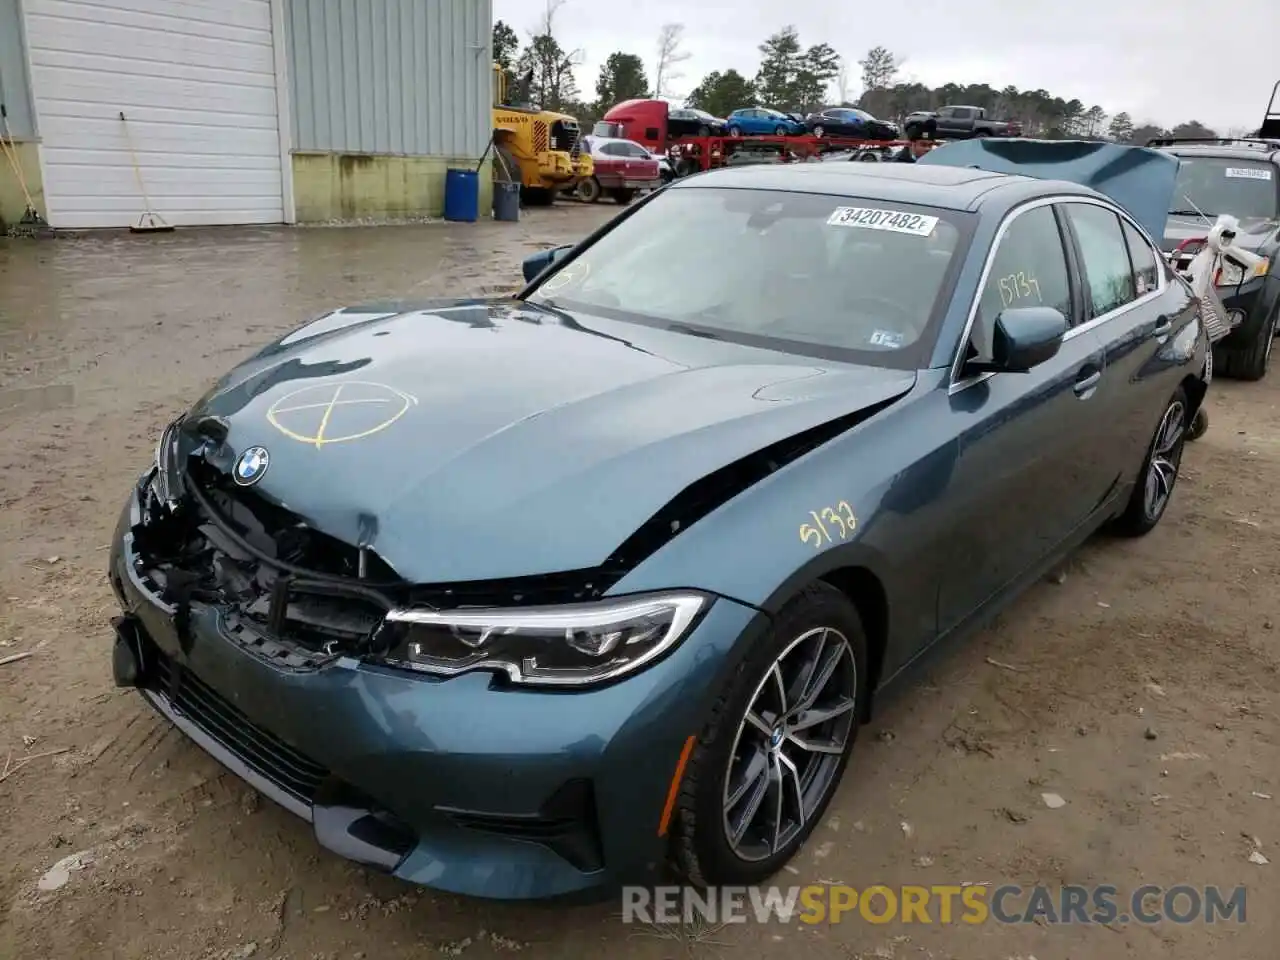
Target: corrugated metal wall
[14, 92]
[390, 76]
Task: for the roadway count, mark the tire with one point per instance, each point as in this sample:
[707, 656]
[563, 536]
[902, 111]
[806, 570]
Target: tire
[1250, 362]
[913, 130]
[869, 156]
[1141, 515]
[981, 133]
[538, 196]
[735, 131]
[624, 196]
[589, 190]
[704, 131]
[780, 131]
[819, 131]
[822, 619]
[1199, 424]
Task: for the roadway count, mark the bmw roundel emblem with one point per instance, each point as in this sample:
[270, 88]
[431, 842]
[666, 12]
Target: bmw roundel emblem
[251, 466]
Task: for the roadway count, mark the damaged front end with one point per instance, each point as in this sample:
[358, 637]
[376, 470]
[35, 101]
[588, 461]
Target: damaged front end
[287, 593]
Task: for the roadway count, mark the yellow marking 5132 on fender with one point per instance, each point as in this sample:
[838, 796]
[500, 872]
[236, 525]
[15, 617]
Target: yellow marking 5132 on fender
[839, 520]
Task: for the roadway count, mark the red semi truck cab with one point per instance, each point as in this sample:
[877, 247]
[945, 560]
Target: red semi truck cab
[642, 121]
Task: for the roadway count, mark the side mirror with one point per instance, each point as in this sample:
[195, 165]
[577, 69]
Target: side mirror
[535, 263]
[1024, 337]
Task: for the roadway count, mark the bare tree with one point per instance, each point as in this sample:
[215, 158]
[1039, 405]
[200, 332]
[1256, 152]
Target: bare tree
[546, 70]
[842, 83]
[669, 56]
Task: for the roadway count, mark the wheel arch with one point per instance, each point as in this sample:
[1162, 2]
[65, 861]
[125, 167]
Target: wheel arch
[1196, 390]
[866, 592]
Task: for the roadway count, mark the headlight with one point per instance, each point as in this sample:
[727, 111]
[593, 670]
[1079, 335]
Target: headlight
[1233, 274]
[568, 645]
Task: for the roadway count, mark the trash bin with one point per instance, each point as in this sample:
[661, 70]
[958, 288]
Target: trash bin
[506, 201]
[461, 195]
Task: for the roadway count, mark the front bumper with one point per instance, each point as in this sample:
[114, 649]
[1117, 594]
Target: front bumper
[1248, 306]
[456, 784]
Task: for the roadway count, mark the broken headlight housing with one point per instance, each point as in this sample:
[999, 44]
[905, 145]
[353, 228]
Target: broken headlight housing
[568, 645]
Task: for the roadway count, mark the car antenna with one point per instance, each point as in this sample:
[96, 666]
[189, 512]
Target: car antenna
[1197, 210]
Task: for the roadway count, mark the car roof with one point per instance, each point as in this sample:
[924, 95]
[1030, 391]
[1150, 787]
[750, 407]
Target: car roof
[598, 140]
[1231, 151]
[945, 187]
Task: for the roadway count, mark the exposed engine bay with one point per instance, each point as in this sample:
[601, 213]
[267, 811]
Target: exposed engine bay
[272, 577]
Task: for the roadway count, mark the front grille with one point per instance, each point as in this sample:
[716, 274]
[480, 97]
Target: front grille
[260, 750]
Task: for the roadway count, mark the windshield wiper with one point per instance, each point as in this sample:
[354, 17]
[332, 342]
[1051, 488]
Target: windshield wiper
[692, 331]
[1188, 213]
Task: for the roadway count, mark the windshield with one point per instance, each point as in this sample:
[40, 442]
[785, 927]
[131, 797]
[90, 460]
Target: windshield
[817, 275]
[1217, 185]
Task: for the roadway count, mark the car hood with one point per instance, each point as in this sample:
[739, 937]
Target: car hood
[1255, 233]
[477, 440]
[1137, 178]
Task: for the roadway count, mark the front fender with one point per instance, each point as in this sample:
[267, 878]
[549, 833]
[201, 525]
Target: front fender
[760, 548]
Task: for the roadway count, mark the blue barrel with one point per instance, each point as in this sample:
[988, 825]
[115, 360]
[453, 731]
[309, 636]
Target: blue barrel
[462, 195]
[506, 201]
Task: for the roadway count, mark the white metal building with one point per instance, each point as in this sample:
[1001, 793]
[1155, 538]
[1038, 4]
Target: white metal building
[204, 89]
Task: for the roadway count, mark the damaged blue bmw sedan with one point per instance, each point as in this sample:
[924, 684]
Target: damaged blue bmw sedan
[538, 596]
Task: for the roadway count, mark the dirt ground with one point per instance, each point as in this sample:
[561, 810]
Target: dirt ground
[104, 339]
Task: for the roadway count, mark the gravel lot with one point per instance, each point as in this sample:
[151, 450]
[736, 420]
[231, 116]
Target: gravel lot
[102, 339]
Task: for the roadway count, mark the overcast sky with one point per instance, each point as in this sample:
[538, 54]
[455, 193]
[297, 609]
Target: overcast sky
[1140, 56]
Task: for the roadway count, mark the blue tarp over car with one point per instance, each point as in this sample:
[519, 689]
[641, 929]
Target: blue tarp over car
[1138, 178]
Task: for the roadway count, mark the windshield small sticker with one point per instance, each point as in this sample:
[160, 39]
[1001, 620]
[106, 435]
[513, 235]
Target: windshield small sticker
[573, 274]
[1248, 173]
[896, 221]
[887, 338]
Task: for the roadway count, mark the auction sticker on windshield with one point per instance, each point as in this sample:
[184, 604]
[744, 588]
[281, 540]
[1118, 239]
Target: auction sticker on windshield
[871, 219]
[1248, 173]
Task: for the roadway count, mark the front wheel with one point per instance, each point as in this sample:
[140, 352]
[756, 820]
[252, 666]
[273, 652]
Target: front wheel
[735, 131]
[776, 744]
[704, 131]
[624, 196]
[1154, 487]
[819, 130]
[589, 190]
[538, 196]
[780, 131]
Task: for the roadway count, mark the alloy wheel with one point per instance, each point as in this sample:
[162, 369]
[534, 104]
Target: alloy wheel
[1166, 455]
[788, 747]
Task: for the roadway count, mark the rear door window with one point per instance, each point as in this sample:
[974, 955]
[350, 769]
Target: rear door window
[1108, 272]
[1146, 269]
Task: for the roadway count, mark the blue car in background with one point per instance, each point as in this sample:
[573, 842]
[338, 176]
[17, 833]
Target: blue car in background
[531, 596]
[757, 121]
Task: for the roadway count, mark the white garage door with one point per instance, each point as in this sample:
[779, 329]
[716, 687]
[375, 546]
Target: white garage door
[196, 81]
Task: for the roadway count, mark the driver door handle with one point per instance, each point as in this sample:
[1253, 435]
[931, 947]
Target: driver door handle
[1163, 327]
[1086, 382]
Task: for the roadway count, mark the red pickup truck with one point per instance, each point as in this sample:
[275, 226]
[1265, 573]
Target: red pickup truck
[622, 169]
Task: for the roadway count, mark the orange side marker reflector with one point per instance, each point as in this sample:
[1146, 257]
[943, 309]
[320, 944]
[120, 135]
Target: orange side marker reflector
[674, 790]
